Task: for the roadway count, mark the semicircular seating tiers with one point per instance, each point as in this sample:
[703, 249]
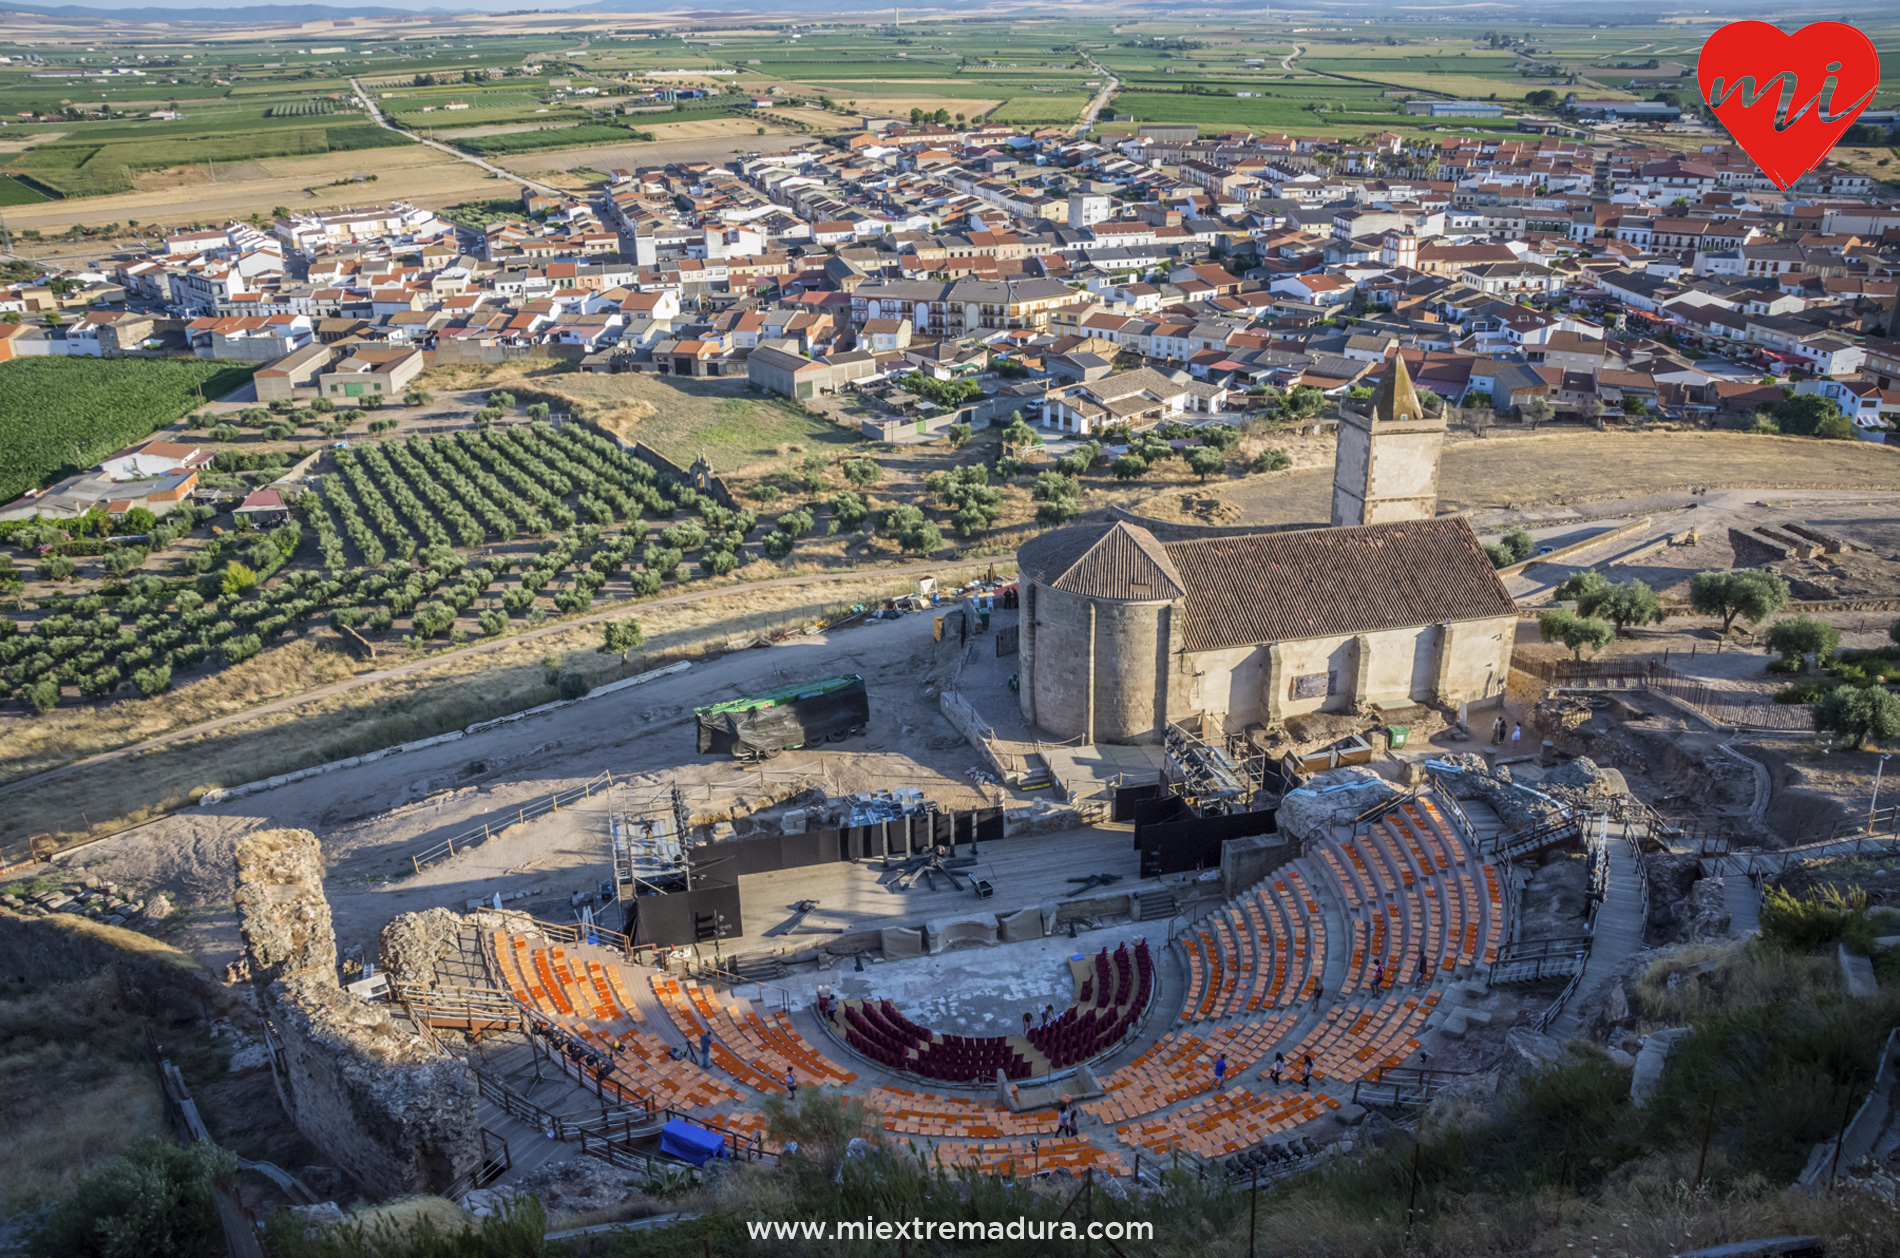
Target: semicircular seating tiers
[1112, 991]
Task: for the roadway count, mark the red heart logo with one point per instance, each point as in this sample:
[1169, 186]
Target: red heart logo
[1787, 98]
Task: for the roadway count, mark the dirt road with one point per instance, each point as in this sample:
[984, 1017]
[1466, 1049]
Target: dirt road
[371, 818]
[376, 116]
[420, 666]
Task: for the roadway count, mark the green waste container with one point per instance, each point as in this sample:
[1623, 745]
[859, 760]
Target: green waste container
[1397, 734]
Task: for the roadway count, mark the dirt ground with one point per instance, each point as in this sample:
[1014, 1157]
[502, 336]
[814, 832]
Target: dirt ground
[372, 818]
[1566, 467]
[411, 173]
[658, 153]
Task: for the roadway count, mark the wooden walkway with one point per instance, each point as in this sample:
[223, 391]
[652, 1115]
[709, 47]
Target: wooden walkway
[1617, 935]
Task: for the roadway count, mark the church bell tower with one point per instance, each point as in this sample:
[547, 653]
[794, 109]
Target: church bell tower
[1386, 465]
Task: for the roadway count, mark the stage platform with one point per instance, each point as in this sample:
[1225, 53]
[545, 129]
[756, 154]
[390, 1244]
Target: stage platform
[860, 895]
[1106, 765]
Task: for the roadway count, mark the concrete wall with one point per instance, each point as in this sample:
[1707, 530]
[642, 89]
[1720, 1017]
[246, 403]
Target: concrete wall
[1445, 663]
[1243, 862]
[379, 1100]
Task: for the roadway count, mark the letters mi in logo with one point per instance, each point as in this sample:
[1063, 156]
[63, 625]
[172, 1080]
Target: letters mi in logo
[1787, 98]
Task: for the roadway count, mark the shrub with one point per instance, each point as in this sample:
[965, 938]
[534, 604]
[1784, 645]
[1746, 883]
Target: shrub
[1825, 917]
[43, 694]
[1272, 460]
[1498, 554]
[862, 472]
[492, 622]
[1520, 543]
[796, 523]
[54, 568]
[237, 649]
[153, 1201]
[684, 536]
[717, 563]
[571, 685]
[1129, 467]
[778, 545]
[765, 493]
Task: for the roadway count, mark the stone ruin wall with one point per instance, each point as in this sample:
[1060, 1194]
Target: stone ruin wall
[378, 1098]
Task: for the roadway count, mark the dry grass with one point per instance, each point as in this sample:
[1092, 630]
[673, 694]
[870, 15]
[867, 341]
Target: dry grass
[1580, 466]
[1741, 976]
[412, 173]
[456, 690]
[32, 745]
[74, 1086]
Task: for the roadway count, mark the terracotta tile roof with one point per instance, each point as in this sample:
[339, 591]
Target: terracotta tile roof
[1110, 561]
[1273, 587]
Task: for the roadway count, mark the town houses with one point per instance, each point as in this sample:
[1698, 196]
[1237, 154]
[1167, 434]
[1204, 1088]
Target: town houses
[1115, 279]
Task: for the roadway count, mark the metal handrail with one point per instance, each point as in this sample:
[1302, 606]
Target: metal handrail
[468, 838]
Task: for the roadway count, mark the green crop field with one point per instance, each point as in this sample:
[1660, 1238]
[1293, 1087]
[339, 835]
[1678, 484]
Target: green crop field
[60, 415]
[13, 192]
[1045, 109]
[551, 138]
[81, 170]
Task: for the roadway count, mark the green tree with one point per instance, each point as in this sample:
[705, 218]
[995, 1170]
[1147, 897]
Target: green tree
[1752, 594]
[1625, 604]
[1575, 632]
[152, 681]
[849, 508]
[237, 578]
[1799, 637]
[1129, 467]
[778, 545]
[1204, 461]
[863, 472]
[1581, 585]
[55, 567]
[43, 694]
[1056, 512]
[1856, 714]
[957, 435]
[1272, 460]
[621, 636]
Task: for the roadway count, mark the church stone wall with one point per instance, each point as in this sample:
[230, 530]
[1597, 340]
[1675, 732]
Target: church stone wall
[1112, 655]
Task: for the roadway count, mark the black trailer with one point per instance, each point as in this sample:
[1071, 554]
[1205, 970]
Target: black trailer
[803, 715]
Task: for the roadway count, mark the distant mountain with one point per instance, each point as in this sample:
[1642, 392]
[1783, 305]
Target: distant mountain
[246, 15]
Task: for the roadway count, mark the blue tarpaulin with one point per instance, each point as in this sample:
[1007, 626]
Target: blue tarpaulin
[689, 1142]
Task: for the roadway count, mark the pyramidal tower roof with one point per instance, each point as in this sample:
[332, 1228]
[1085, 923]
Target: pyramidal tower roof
[1396, 399]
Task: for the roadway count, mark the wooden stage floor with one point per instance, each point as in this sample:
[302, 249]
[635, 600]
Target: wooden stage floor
[859, 895]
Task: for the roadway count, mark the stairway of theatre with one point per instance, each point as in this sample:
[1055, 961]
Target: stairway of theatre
[1351, 954]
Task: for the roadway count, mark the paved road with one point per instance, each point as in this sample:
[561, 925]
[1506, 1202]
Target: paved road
[480, 648]
[376, 116]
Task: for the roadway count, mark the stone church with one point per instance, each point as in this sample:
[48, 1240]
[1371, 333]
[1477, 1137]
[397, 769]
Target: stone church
[1123, 633]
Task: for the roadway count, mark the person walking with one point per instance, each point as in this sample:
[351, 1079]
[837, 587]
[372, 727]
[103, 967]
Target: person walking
[1029, 1020]
[1497, 730]
[1306, 1071]
[1220, 1071]
[1378, 973]
[1424, 966]
[1319, 993]
[791, 1085]
[1277, 1069]
[1517, 735]
[705, 1049]
[1048, 1014]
